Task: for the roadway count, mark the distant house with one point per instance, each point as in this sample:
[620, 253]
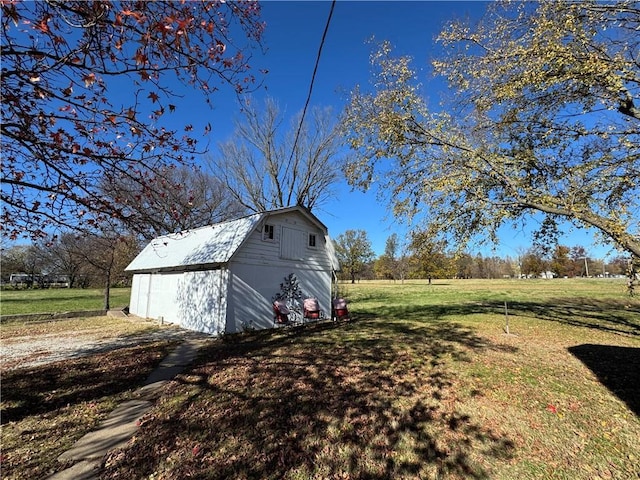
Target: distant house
[223, 278]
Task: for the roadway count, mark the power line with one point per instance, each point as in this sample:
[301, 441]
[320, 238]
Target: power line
[313, 78]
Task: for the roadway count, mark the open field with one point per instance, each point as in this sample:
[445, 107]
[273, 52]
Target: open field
[423, 383]
[54, 300]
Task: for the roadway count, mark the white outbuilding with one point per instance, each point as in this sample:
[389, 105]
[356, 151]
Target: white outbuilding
[223, 278]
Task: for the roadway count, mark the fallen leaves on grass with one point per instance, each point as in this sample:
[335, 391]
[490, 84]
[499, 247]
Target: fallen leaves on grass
[323, 406]
[45, 409]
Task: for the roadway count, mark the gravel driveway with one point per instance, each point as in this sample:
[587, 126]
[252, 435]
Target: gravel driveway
[29, 351]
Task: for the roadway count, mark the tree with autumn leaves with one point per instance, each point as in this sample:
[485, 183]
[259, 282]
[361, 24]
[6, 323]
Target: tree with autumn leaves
[86, 89]
[354, 252]
[543, 119]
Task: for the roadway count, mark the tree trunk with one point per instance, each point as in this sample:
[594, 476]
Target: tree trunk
[107, 290]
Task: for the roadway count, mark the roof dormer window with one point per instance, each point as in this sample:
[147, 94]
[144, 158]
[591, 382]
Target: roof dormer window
[267, 232]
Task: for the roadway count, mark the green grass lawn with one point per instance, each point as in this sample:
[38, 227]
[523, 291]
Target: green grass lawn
[423, 383]
[55, 300]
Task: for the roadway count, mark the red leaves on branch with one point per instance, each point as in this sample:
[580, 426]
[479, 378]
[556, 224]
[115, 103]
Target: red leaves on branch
[138, 16]
[9, 11]
[80, 104]
[58, 137]
[183, 25]
[89, 79]
[208, 26]
[140, 58]
[43, 24]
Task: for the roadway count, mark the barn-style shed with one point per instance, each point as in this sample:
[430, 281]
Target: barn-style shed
[223, 278]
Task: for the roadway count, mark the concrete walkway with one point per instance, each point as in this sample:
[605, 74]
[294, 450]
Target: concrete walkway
[120, 426]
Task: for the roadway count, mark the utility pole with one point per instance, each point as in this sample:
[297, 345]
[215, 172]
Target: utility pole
[586, 266]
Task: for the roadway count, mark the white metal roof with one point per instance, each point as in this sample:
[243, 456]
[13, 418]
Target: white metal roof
[214, 244]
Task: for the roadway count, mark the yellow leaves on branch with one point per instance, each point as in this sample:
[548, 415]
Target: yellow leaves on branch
[508, 54]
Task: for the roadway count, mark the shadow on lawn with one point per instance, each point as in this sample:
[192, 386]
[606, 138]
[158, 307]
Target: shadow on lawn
[615, 316]
[44, 389]
[617, 368]
[370, 399]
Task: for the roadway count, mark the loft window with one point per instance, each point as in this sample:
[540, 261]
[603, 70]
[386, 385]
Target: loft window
[312, 240]
[267, 232]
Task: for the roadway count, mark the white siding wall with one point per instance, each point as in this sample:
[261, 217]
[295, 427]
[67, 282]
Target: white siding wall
[256, 251]
[163, 297]
[294, 244]
[252, 288]
[202, 300]
[260, 266]
[139, 294]
[193, 300]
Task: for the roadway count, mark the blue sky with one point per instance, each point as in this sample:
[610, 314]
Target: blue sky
[292, 39]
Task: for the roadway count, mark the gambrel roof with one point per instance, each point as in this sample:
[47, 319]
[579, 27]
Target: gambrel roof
[208, 246]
